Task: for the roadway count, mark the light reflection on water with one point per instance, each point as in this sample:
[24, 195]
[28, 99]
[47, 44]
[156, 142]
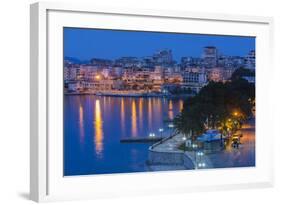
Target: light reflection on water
[81, 123]
[103, 121]
[134, 119]
[122, 114]
[171, 112]
[98, 137]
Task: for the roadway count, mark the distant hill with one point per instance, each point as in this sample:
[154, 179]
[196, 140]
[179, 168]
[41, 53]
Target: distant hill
[76, 60]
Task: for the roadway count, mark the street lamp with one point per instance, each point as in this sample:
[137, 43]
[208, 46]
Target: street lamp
[184, 139]
[194, 146]
[171, 126]
[161, 130]
[200, 154]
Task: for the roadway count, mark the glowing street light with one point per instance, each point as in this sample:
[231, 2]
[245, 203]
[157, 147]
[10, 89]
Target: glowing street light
[170, 125]
[194, 145]
[161, 130]
[151, 135]
[200, 153]
[184, 139]
[201, 165]
[97, 77]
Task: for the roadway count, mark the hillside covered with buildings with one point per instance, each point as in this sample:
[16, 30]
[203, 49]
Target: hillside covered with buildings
[155, 75]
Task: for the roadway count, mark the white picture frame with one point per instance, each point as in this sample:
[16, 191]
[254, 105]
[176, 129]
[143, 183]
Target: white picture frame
[46, 179]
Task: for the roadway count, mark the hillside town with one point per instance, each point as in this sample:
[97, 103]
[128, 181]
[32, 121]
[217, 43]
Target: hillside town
[155, 75]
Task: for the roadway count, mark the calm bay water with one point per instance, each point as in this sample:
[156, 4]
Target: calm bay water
[94, 125]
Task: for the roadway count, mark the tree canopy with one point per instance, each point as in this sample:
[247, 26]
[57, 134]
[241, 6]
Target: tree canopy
[215, 105]
[241, 72]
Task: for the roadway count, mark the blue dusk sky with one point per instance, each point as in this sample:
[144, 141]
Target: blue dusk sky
[85, 44]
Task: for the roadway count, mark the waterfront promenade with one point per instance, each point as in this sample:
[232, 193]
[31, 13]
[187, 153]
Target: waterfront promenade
[175, 159]
[243, 156]
[165, 155]
[184, 159]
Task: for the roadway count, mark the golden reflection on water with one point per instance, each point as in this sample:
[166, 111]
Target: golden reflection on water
[171, 112]
[159, 114]
[134, 119]
[141, 113]
[98, 129]
[81, 123]
[180, 105]
[149, 114]
[122, 113]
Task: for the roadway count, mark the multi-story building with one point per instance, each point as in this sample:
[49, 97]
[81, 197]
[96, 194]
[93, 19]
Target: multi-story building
[70, 73]
[210, 55]
[251, 60]
[191, 62]
[137, 80]
[98, 85]
[150, 74]
[227, 73]
[215, 74]
[193, 80]
[231, 62]
[163, 57]
[147, 62]
[74, 86]
[219, 74]
[117, 71]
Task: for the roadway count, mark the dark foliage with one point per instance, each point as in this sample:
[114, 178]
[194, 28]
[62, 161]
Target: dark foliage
[214, 105]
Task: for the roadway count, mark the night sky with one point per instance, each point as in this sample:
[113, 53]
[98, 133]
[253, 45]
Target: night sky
[85, 44]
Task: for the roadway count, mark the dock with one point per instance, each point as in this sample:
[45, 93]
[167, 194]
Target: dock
[141, 140]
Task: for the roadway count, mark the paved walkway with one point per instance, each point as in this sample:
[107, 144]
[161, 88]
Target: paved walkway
[200, 159]
[230, 157]
[243, 156]
[170, 145]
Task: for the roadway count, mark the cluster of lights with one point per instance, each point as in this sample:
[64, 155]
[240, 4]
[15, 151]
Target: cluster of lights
[201, 165]
[151, 135]
[200, 153]
[161, 130]
[194, 145]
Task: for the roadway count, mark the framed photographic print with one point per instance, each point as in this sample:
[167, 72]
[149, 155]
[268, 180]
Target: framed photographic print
[128, 101]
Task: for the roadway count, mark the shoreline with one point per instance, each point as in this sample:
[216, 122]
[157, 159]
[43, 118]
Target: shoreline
[131, 95]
